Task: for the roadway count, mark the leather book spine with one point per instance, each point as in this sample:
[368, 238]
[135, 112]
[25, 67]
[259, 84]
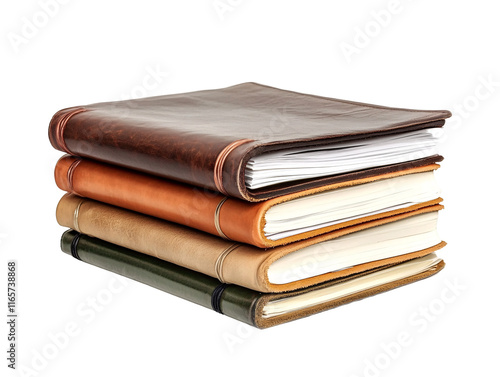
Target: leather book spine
[191, 206]
[236, 302]
[210, 160]
[233, 301]
[117, 139]
[229, 262]
[205, 210]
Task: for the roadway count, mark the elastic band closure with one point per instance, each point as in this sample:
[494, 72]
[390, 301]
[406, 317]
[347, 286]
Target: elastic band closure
[220, 261]
[61, 125]
[75, 216]
[221, 159]
[74, 244]
[216, 297]
[71, 171]
[217, 218]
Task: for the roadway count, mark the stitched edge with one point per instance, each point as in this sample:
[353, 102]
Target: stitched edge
[217, 218]
[220, 261]
[61, 125]
[221, 159]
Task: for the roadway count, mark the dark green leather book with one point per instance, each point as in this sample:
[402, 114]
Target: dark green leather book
[261, 310]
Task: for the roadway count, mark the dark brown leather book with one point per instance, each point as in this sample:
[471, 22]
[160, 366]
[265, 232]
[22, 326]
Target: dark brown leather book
[250, 141]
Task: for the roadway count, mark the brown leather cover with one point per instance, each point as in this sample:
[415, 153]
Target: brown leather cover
[205, 138]
[239, 220]
[235, 263]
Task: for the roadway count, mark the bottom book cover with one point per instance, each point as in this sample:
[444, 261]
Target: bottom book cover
[261, 310]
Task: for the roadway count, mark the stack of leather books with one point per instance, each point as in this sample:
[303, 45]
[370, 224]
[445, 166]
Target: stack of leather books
[263, 204]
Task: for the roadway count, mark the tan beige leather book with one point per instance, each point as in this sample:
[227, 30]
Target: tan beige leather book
[298, 265]
[269, 223]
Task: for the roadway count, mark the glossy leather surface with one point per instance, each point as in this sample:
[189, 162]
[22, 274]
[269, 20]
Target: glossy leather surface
[236, 302]
[181, 136]
[239, 220]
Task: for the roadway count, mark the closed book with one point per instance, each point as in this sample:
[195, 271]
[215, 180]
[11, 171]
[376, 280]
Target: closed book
[261, 310]
[284, 268]
[270, 223]
[250, 141]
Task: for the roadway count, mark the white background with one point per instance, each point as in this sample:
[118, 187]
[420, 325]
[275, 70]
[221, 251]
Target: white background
[417, 54]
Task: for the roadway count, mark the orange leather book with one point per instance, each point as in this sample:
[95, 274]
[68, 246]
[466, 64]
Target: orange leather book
[328, 208]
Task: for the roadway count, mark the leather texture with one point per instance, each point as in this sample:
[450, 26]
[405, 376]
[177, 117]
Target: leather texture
[183, 136]
[230, 262]
[237, 302]
[178, 281]
[239, 220]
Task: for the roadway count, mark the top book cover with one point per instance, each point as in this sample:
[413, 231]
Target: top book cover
[250, 141]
